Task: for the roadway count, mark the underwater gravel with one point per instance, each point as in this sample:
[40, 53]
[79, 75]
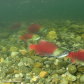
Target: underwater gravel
[18, 65]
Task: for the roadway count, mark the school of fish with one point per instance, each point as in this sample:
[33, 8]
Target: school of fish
[45, 48]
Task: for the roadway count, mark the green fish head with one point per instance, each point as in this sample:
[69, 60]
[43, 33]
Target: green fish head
[60, 52]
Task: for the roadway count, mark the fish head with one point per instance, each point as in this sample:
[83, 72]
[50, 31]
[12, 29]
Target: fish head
[60, 52]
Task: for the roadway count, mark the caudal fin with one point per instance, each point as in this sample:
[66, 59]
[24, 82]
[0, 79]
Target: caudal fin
[32, 46]
[20, 38]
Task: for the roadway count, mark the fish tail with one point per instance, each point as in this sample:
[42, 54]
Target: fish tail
[32, 46]
[20, 38]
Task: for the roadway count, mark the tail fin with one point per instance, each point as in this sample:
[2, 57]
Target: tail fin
[20, 38]
[32, 46]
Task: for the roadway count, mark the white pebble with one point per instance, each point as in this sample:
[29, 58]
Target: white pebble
[17, 75]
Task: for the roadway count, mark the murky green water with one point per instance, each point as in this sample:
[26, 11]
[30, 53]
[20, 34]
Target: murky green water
[19, 10]
[51, 27]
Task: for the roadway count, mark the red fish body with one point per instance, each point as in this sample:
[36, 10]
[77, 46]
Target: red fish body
[15, 26]
[34, 28]
[26, 37]
[76, 55]
[48, 48]
[44, 48]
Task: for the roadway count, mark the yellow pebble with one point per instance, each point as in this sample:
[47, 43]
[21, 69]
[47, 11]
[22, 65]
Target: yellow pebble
[23, 52]
[33, 79]
[43, 74]
[2, 59]
[4, 49]
[16, 71]
[7, 83]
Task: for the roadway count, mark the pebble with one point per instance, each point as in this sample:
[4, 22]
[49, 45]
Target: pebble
[43, 74]
[7, 83]
[17, 79]
[36, 70]
[48, 62]
[81, 68]
[30, 61]
[78, 39]
[12, 49]
[20, 74]
[23, 52]
[72, 69]
[47, 66]
[2, 59]
[64, 82]
[62, 63]
[55, 80]
[4, 49]
[24, 69]
[16, 71]
[37, 65]
[61, 71]
[82, 78]
[71, 77]
[13, 54]
[20, 63]
[33, 79]
[16, 75]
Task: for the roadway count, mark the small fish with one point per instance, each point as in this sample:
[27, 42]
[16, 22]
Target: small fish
[26, 37]
[15, 26]
[49, 49]
[34, 28]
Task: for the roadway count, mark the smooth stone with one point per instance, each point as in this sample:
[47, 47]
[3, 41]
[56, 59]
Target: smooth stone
[37, 65]
[81, 68]
[71, 77]
[78, 39]
[63, 63]
[36, 70]
[27, 80]
[27, 60]
[55, 80]
[47, 66]
[72, 69]
[38, 59]
[48, 62]
[13, 54]
[17, 79]
[61, 71]
[24, 69]
[43, 74]
[13, 49]
[82, 78]
[10, 71]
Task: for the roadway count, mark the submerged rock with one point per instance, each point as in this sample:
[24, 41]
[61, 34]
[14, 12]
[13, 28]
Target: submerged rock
[36, 70]
[78, 39]
[23, 52]
[37, 65]
[43, 74]
[12, 49]
[72, 69]
[81, 68]
[71, 77]
[61, 71]
[13, 54]
[82, 78]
